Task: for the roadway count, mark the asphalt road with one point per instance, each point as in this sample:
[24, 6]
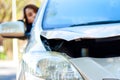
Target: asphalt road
[7, 70]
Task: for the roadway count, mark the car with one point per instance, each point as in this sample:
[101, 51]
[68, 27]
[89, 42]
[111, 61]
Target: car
[73, 40]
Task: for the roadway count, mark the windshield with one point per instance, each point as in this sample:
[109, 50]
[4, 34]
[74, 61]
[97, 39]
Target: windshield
[64, 13]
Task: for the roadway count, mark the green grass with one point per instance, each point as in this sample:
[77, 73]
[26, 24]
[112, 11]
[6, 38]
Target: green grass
[2, 56]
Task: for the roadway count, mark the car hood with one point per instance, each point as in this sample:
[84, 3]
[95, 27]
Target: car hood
[90, 31]
[98, 68]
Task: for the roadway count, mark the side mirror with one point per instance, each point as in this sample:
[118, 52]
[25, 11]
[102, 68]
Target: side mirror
[15, 29]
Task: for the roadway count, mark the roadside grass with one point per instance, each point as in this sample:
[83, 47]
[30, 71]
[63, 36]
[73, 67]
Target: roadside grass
[2, 56]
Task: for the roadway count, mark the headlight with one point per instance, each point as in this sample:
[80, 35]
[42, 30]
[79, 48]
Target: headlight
[51, 66]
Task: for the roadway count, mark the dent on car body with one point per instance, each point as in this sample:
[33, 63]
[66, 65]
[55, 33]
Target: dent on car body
[92, 31]
[98, 68]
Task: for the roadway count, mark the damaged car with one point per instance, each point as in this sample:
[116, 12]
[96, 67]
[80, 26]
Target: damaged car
[74, 40]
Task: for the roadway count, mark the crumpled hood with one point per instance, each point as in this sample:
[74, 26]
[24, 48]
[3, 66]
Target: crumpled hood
[91, 31]
[98, 68]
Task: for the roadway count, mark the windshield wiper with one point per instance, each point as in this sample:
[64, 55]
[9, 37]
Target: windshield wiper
[95, 23]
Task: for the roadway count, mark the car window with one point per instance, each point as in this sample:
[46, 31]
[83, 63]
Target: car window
[63, 13]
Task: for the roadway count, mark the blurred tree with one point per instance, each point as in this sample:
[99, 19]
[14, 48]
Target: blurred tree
[5, 10]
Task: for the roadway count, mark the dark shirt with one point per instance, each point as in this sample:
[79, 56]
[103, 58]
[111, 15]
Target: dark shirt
[28, 29]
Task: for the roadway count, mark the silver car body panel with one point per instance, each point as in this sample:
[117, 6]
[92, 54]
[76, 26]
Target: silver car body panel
[91, 31]
[35, 42]
[98, 68]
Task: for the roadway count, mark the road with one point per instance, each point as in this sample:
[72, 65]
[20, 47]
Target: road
[7, 70]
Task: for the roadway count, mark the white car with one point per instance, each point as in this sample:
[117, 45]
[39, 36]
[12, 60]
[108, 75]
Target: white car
[74, 40]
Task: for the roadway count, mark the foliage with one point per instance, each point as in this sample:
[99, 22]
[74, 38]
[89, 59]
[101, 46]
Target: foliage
[6, 8]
